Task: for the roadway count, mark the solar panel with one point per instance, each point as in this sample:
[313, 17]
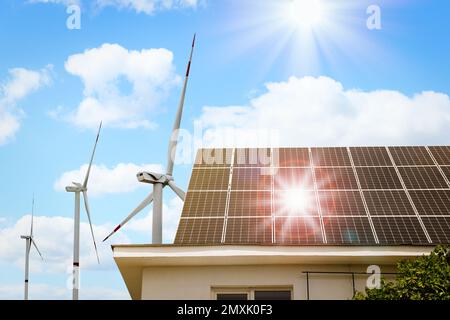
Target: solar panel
[205, 204]
[286, 178]
[336, 179]
[292, 157]
[200, 231]
[251, 179]
[298, 230]
[312, 196]
[370, 156]
[330, 157]
[248, 230]
[348, 230]
[378, 178]
[404, 156]
[431, 202]
[399, 230]
[441, 154]
[422, 178]
[252, 157]
[388, 203]
[446, 171]
[209, 179]
[250, 203]
[341, 203]
[438, 228]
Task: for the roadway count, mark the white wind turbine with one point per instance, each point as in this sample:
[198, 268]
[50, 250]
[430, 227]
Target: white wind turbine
[79, 188]
[158, 180]
[29, 240]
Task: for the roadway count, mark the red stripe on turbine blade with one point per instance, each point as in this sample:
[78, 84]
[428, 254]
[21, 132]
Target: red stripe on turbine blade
[117, 228]
[76, 264]
[188, 69]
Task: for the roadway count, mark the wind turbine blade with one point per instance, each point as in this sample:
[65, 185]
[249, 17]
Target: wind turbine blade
[176, 126]
[32, 216]
[177, 190]
[86, 205]
[34, 244]
[138, 209]
[92, 157]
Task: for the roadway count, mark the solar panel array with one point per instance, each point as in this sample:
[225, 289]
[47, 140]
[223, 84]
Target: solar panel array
[318, 196]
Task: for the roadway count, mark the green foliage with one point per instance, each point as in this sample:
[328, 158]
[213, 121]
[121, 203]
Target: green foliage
[423, 278]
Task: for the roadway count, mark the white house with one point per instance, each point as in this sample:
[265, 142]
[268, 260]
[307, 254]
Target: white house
[296, 223]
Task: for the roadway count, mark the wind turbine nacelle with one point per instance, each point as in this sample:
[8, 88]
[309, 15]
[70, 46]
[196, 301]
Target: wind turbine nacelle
[25, 237]
[74, 189]
[153, 178]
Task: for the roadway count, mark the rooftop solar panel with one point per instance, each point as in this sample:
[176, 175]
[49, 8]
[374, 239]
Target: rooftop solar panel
[288, 178]
[250, 203]
[341, 203]
[251, 179]
[205, 204]
[336, 179]
[248, 230]
[330, 157]
[388, 203]
[441, 154]
[431, 202]
[399, 230]
[438, 228]
[292, 157]
[414, 156]
[319, 196]
[370, 156]
[422, 178]
[446, 171]
[209, 179]
[378, 178]
[348, 230]
[298, 230]
[200, 231]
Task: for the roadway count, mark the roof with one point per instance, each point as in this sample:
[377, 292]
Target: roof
[337, 196]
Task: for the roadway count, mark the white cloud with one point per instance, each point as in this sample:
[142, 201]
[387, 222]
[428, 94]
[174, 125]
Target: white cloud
[320, 111]
[106, 72]
[148, 6]
[171, 217]
[21, 83]
[104, 180]
[54, 237]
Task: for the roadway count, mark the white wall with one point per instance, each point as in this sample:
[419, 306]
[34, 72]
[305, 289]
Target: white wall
[192, 282]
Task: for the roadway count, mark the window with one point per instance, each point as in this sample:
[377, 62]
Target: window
[232, 296]
[272, 295]
[261, 293]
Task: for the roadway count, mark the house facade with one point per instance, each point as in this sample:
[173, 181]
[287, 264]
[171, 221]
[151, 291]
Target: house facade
[171, 272]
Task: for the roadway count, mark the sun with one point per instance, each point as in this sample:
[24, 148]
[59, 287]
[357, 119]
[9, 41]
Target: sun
[296, 202]
[305, 13]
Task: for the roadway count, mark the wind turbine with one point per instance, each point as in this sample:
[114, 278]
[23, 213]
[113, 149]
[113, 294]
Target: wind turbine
[158, 180]
[79, 188]
[29, 240]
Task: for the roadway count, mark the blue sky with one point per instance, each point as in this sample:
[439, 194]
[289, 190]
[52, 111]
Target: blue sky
[255, 71]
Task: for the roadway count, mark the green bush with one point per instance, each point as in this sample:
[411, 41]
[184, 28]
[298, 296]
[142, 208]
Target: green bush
[424, 278]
